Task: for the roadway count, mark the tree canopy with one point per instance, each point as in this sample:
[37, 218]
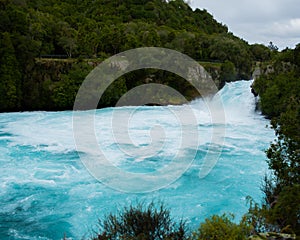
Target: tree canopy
[86, 29]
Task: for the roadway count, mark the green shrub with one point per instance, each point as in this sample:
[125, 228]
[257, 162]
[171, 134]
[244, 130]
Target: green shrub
[222, 227]
[141, 222]
[279, 213]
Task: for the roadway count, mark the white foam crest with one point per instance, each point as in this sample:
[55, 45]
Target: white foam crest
[237, 102]
[19, 235]
[49, 131]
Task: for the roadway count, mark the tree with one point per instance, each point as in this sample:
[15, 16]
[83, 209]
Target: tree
[228, 72]
[297, 56]
[223, 227]
[272, 47]
[10, 77]
[280, 100]
[63, 92]
[226, 47]
[260, 52]
[68, 38]
[141, 222]
[89, 35]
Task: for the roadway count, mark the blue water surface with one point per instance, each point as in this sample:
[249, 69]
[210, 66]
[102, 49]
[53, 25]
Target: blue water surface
[46, 192]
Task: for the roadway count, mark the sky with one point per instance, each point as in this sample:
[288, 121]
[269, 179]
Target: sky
[257, 21]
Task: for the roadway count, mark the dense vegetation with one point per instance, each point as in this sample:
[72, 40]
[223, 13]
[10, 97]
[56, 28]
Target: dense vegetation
[279, 91]
[154, 222]
[86, 32]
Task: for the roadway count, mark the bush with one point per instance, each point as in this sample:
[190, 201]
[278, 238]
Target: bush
[141, 222]
[286, 211]
[222, 227]
[280, 211]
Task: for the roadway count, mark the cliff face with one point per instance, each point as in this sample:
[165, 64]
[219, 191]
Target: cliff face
[52, 84]
[267, 68]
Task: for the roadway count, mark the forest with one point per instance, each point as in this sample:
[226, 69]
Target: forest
[279, 91]
[47, 47]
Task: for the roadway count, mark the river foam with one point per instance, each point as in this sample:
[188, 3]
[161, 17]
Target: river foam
[46, 191]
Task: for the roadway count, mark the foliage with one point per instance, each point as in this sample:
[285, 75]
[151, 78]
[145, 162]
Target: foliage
[96, 29]
[260, 52]
[286, 210]
[227, 47]
[10, 77]
[63, 92]
[258, 217]
[222, 227]
[141, 222]
[276, 214]
[228, 72]
[279, 92]
[272, 47]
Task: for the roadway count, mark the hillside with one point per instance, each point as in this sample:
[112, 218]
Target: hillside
[96, 29]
